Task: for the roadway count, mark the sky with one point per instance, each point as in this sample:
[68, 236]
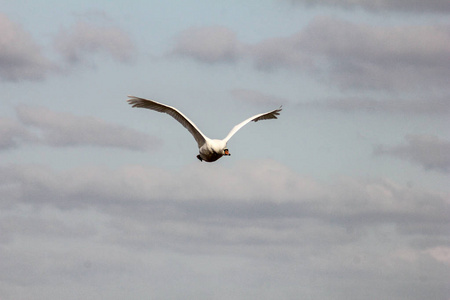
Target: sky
[344, 196]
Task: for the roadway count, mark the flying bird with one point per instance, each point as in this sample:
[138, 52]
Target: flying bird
[209, 149]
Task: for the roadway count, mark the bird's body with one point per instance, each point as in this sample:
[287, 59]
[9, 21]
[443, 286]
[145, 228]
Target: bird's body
[209, 149]
[212, 150]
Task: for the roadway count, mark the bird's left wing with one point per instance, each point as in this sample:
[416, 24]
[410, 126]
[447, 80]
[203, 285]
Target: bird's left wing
[265, 116]
[199, 137]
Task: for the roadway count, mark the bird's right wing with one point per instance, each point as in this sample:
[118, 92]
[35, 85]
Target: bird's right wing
[264, 116]
[199, 137]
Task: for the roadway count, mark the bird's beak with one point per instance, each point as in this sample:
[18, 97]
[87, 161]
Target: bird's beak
[227, 152]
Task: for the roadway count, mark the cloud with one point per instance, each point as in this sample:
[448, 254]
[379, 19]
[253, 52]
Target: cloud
[255, 97]
[39, 125]
[441, 254]
[282, 52]
[207, 44]
[364, 56]
[429, 151]
[259, 190]
[21, 57]
[358, 56]
[60, 129]
[258, 216]
[84, 39]
[346, 54]
[12, 133]
[433, 106]
[417, 6]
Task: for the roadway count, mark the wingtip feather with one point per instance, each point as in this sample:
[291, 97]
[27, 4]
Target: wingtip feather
[133, 101]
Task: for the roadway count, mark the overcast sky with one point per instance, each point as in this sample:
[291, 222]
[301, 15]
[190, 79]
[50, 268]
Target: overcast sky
[345, 196]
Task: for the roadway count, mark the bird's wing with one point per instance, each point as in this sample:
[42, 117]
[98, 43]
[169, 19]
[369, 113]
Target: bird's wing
[265, 116]
[172, 111]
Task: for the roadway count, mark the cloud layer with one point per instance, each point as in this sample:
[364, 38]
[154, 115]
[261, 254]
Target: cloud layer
[84, 39]
[350, 55]
[425, 106]
[416, 6]
[259, 191]
[208, 44]
[257, 98]
[79, 224]
[429, 151]
[59, 129]
[21, 58]
[264, 221]
[12, 133]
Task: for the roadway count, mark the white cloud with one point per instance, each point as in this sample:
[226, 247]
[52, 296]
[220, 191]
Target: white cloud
[429, 151]
[21, 57]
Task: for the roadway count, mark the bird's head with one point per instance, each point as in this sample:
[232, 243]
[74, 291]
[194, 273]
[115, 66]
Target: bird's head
[219, 147]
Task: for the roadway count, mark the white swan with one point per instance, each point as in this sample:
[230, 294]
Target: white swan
[210, 149]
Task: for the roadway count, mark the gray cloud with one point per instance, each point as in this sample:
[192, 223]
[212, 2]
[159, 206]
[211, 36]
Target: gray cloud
[12, 133]
[254, 191]
[432, 106]
[83, 39]
[264, 220]
[352, 56]
[21, 57]
[61, 129]
[363, 56]
[256, 97]
[283, 52]
[208, 44]
[38, 125]
[429, 151]
[416, 6]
